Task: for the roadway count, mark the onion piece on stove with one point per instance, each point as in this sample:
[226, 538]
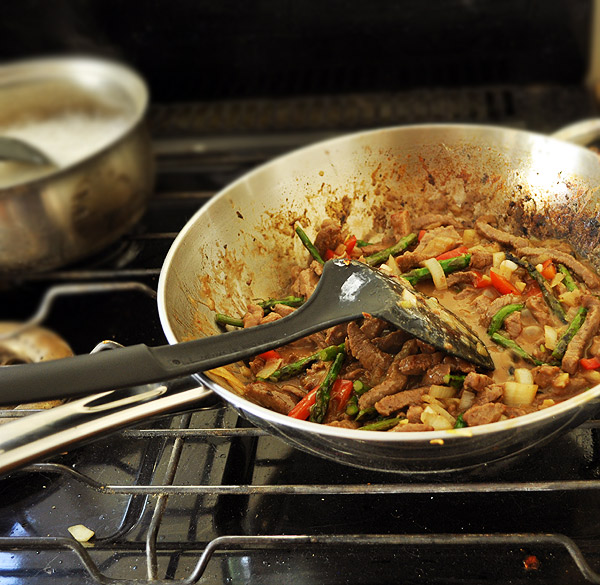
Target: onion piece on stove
[80, 532]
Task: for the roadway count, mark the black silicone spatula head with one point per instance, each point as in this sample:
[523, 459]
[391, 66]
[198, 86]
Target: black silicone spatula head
[394, 300]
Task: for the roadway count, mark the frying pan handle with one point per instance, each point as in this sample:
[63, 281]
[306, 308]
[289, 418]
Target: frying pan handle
[584, 132]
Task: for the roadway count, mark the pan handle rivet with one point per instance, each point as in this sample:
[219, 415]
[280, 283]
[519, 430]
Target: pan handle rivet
[175, 362]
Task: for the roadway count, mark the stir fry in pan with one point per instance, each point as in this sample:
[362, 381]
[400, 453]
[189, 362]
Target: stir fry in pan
[533, 303]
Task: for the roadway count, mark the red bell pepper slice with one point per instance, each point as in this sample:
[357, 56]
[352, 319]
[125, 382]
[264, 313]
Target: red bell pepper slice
[503, 285]
[548, 269]
[421, 234]
[350, 243]
[482, 281]
[453, 253]
[592, 363]
[329, 254]
[302, 410]
[341, 391]
[270, 355]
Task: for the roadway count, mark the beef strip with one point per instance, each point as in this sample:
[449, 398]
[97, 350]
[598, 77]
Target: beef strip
[458, 365]
[576, 348]
[504, 238]
[544, 375]
[539, 255]
[483, 414]
[305, 283]
[539, 309]
[372, 327]
[410, 427]
[480, 258]
[401, 224]
[283, 310]
[413, 413]
[270, 396]
[253, 315]
[477, 382]
[413, 365]
[462, 277]
[375, 361]
[491, 393]
[336, 334]
[513, 325]
[496, 305]
[387, 387]
[329, 236]
[400, 400]
[391, 342]
[394, 381]
[434, 242]
[345, 423]
[269, 318]
[435, 374]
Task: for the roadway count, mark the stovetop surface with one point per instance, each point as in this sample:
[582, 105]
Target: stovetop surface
[204, 497]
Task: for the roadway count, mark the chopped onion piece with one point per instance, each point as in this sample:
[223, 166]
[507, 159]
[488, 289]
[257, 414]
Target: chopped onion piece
[516, 394]
[550, 337]
[437, 273]
[520, 285]
[442, 391]
[497, 259]
[558, 278]
[548, 402]
[270, 366]
[523, 376]
[506, 268]
[470, 237]
[80, 532]
[393, 266]
[408, 298]
[430, 417]
[467, 399]
[570, 298]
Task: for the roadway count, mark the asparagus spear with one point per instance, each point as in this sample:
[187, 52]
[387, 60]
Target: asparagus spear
[450, 265]
[568, 280]
[547, 293]
[454, 380]
[222, 319]
[498, 319]
[565, 339]
[324, 355]
[510, 344]
[359, 389]
[309, 245]
[290, 301]
[319, 408]
[399, 246]
[382, 425]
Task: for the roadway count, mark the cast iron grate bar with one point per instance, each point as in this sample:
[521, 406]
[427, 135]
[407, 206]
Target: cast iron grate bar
[294, 542]
[319, 489]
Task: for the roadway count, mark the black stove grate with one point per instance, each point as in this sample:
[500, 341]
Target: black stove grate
[202, 497]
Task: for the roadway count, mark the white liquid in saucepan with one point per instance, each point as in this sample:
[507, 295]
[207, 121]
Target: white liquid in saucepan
[65, 140]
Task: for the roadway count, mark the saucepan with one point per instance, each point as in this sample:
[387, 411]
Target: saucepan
[86, 117]
[241, 246]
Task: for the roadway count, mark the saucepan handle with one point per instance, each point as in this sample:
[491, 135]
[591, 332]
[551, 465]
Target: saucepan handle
[36, 436]
[583, 132]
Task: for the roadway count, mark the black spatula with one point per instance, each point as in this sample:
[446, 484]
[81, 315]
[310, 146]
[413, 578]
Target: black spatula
[346, 291]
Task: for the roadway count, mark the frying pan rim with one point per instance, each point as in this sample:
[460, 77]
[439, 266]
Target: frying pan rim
[431, 437]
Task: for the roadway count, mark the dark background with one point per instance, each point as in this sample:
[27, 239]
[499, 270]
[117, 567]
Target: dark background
[199, 50]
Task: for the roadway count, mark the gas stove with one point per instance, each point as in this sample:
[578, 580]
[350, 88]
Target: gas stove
[199, 495]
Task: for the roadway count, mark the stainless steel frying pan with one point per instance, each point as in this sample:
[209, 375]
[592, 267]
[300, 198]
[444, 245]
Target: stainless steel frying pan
[241, 245]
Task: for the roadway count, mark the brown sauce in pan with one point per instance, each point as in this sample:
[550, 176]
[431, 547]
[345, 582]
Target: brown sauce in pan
[389, 382]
